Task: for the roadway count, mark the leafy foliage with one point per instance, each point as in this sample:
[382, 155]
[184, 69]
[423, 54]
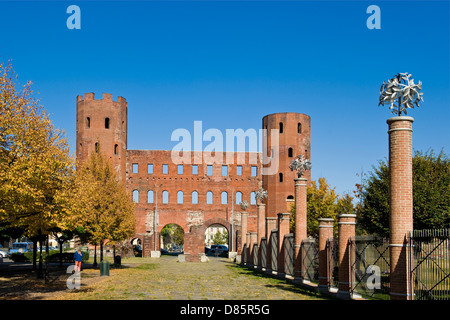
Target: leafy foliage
[431, 194]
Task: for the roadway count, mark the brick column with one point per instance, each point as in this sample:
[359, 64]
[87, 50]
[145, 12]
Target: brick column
[261, 224]
[325, 232]
[346, 224]
[401, 204]
[248, 248]
[300, 223]
[244, 217]
[271, 224]
[283, 229]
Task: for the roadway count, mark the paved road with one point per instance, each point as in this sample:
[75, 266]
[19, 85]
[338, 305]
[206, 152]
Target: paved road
[165, 278]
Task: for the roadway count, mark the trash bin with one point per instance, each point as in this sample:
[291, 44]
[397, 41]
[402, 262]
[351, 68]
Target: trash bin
[104, 268]
[117, 260]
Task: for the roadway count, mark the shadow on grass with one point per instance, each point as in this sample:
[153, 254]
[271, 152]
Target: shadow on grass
[273, 282]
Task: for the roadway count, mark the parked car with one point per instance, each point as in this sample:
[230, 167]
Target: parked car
[219, 249]
[20, 247]
[3, 254]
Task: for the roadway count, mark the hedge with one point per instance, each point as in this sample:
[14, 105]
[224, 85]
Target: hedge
[53, 257]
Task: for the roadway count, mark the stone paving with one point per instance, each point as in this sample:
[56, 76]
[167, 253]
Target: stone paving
[167, 279]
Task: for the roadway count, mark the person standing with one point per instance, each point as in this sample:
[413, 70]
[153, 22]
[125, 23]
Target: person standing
[78, 255]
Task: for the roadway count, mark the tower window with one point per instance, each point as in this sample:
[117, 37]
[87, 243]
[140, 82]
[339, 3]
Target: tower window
[106, 123]
[88, 122]
[281, 127]
[116, 149]
[290, 153]
[299, 128]
[97, 147]
[281, 177]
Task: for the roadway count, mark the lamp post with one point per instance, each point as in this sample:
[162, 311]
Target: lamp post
[155, 217]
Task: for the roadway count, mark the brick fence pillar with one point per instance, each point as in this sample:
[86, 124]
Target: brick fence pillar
[401, 204]
[271, 224]
[346, 230]
[283, 229]
[244, 217]
[300, 223]
[325, 232]
[261, 224]
[248, 249]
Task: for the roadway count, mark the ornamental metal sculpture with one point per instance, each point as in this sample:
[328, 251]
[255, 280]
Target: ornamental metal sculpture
[300, 164]
[261, 194]
[244, 205]
[401, 93]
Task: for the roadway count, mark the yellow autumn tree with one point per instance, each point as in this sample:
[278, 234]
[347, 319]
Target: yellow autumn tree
[101, 208]
[35, 162]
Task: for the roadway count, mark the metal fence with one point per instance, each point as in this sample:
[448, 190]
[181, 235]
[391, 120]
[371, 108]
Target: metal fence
[274, 250]
[255, 254]
[289, 254]
[332, 248]
[430, 264]
[262, 253]
[370, 268]
[244, 254]
[310, 259]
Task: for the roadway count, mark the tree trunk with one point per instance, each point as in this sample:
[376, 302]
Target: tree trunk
[40, 274]
[101, 251]
[95, 256]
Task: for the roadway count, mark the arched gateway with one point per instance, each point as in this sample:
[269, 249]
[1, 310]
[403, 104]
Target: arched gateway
[205, 187]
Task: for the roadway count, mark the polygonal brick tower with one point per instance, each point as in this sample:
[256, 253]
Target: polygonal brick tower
[294, 139]
[102, 126]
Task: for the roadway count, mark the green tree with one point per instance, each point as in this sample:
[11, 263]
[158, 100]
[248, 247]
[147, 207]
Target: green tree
[431, 194]
[220, 238]
[172, 234]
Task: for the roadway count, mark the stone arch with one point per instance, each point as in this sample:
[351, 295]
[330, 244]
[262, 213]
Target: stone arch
[194, 239]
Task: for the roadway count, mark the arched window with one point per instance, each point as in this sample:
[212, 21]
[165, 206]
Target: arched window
[116, 149]
[290, 153]
[238, 197]
[106, 123]
[224, 197]
[281, 177]
[180, 197]
[165, 197]
[209, 197]
[281, 127]
[150, 196]
[88, 122]
[194, 197]
[97, 147]
[299, 128]
[135, 196]
[290, 197]
[252, 197]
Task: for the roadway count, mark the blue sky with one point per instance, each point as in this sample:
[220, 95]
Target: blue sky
[229, 64]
